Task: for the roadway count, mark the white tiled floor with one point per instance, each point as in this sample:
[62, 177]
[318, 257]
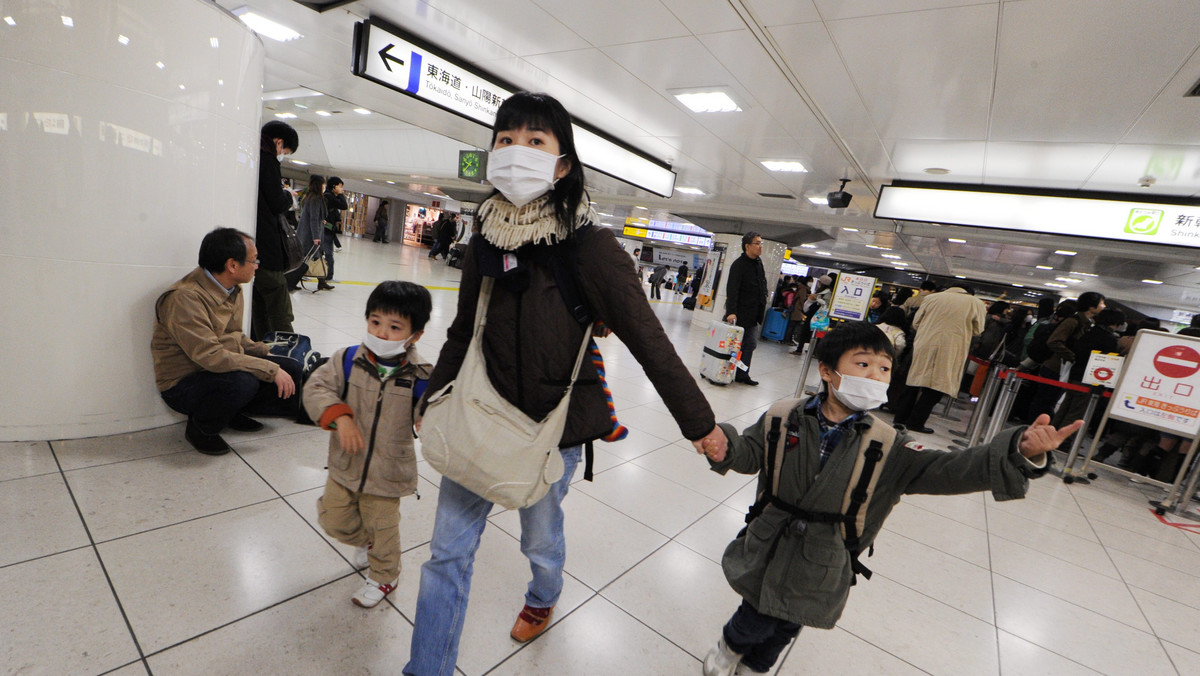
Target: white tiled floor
[134, 554]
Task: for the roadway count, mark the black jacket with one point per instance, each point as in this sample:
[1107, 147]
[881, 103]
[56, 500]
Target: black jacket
[334, 205]
[273, 201]
[1097, 338]
[746, 291]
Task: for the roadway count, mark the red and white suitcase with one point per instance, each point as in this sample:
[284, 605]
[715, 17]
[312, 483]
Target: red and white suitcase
[722, 350]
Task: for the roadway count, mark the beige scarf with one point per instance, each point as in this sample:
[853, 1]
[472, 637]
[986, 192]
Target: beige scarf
[510, 227]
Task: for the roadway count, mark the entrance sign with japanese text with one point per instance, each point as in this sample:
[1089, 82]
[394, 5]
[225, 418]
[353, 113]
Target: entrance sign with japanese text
[1159, 386]
[852, 297]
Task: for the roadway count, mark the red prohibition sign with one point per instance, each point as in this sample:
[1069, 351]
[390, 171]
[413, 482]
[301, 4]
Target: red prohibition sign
[1177, 361]
[1103, 373]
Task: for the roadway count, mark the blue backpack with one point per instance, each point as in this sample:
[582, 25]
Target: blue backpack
[418, 387]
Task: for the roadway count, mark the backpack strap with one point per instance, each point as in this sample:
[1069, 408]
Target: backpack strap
[776, 418]
[347, 366]
[873, 449]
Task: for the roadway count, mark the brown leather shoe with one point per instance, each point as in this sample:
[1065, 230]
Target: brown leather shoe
[531, 622]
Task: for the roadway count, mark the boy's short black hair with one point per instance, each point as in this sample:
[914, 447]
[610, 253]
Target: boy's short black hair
[278, 129]
[929, 285]
[405, 299]
[1065, 309]
[852, 336]
[894, 315]
[220, 245]
[332, 183]
[1109, 316]
[1089, 300]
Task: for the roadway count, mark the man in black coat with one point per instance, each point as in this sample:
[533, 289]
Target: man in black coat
[272, 306]
[746, 298]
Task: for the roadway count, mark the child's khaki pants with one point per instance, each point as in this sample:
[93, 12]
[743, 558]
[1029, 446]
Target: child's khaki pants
[358, 519]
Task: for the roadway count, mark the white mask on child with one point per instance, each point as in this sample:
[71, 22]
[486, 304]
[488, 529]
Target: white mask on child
[386, 349]
[522, 174]
[860, 394]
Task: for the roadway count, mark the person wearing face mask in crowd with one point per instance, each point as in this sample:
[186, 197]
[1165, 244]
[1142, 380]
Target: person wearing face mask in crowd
[536, 228]
[791, 565]
[271, 309]
[369, 409]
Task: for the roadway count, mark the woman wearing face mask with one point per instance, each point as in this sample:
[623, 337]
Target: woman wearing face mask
[535, 226]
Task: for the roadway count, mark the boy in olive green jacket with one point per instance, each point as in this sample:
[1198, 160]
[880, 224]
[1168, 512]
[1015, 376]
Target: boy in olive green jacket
[792, 565]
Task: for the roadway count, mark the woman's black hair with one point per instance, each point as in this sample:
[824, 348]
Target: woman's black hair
[998, 307]
[895, 316]
[332, 183]
[853, 336]
[316, 186]
[531, 110]
[406, 299]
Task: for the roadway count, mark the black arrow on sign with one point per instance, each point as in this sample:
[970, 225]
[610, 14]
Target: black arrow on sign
[383, 53]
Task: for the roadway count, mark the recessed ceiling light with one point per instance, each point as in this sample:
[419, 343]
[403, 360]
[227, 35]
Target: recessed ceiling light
[937, 171]
[122, 39]
[893, 256]
[221, 82]
[1044, 267]
[850, 229]
[1019, 286]
[1064, 252]
[1069, 280]
[691, 191]
[957, 241]
[1057, 286]
[813, 246]
[819, 201]
[10, 21]
[710, 100]
[784, 165]
[68, 21]
[324, 113]
[301, 106]
[264, 26]
[1151, 281]
[160, 64]
[371, 180]
[362, 111]
[959, 277]
[214, 42]
[390, 182]
[876, 246]
[897, 267]
[902, 263]
[286, 116]
[824, 253]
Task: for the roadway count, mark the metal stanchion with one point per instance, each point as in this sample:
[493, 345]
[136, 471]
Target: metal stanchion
[948, 407]
[1172, 495]
[806, 361]
[1189, 491]
[982, 409]
[1003, 405]
[1068, 475]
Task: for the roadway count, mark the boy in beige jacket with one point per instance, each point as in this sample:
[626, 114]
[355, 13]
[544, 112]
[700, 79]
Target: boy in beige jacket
[365, 395]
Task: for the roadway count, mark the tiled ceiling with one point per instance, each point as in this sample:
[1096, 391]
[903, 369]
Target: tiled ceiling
[1066, 94]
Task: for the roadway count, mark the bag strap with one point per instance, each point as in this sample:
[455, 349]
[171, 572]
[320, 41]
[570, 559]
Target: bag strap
[347, 366]
[776, 416]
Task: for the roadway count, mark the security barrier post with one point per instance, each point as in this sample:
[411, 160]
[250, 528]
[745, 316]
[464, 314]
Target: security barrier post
[1068, 469]
[1003, 405]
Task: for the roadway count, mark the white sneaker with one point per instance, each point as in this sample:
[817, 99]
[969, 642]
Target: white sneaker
[371, 593]
[743, 670]
[359, 560]
[721, 661]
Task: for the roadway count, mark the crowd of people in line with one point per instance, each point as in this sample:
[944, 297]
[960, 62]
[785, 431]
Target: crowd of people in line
[552, 284]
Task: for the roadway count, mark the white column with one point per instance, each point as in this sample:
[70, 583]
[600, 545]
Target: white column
[124, 138]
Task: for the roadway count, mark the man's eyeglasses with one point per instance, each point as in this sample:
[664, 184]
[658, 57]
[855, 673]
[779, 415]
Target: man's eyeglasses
[254, 263]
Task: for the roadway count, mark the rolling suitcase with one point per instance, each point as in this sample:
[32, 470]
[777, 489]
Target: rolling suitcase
[722, 351]
[775, 325]
[689, 303]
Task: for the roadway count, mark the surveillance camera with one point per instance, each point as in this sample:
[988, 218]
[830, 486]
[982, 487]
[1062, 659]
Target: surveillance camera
[1146, 181]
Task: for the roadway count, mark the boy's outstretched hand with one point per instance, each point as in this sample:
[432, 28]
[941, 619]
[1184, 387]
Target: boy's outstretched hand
[1041, 436]
[713, 445]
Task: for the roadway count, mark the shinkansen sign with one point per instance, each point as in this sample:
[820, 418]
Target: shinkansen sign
[1176, 224]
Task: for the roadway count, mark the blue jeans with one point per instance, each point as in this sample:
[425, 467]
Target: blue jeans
[446, 576]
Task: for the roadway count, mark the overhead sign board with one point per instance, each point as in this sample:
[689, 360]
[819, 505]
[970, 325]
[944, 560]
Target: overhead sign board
[392, 58]
[852, 298]
[1129, 221]
[1159, 386]
[669, 237]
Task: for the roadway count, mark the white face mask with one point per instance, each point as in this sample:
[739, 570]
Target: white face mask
[521, 174]
[386, 349]
[280, 157]
[1122, 328]
[860, 394]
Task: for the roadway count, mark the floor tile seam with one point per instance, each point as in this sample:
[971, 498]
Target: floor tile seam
[1048, 648]
[1193, 605]
[1070, 601]
[1143, 534]
[1061, 560]
[926, 544]
[1138, 555]
[1052, 525]
[944, 516]
[558, 619]
[669, 536]
[30, 476]
[942, 602]
[44, 556]
[883, 650]
[293, 597]
[120, 462]
[123, 666]
[100, 560]
[700, 659]
[678, 483]
[187, 520]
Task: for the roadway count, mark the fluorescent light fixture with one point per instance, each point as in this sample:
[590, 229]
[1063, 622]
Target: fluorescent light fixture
[324, 113]
[813, 246]
[214, 42]
[876, 246]
[894, 256]
[1057, 286]
[1019, 286]
[823, 253]
[183, 88]
[286, 116]
[709, 100]
[371, 180]
[362, 111]
[1044, 267]
[784, 165]
[1064, 252]
[221, 82]
[160, 64]
[10, 21]
[300, 162]
[1085, 274]
[819, 201]
[390, 182]
[1151, 281]
[293, 93]
[264, 26]
[850, 229]
[1069, 280]
[68, 21]
[956, 240]
[691, 191]
[902, 263]
[122, 39]
[959, 276]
